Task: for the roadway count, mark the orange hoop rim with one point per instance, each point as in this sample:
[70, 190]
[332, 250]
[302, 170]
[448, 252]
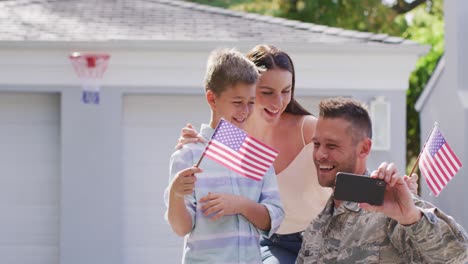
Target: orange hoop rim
[76, 55]
[89, 65]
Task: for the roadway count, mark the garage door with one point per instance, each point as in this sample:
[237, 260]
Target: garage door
[151, 126]
[29, 178]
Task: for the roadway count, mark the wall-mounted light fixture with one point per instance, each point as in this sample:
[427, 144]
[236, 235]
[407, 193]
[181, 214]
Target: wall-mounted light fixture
[380, 115]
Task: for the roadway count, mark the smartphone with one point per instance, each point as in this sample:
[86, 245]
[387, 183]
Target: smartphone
[359, 188]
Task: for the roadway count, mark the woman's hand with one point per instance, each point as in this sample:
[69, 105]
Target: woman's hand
[188, 134]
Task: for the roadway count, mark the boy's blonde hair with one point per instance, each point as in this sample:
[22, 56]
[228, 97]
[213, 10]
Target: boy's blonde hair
[228, 67]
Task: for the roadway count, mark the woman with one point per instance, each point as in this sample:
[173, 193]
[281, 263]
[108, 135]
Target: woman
[282, 123]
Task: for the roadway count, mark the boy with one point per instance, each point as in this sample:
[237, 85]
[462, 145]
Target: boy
[220, 212]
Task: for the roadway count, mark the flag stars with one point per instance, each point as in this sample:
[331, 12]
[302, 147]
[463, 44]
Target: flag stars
[230, 135]
[436, 142]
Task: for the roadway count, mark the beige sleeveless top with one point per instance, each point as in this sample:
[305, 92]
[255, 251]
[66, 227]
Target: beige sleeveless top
[301, 195]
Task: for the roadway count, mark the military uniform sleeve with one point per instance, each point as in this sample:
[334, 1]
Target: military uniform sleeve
[270, 198]
[436, 237]
[180, 160]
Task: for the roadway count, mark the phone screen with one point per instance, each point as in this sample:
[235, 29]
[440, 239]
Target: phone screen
[359, 188]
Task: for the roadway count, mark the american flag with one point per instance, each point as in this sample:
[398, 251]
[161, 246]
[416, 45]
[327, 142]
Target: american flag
[438, 163]
[236, 150]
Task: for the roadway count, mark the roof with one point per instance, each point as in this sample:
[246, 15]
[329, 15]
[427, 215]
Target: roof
[431, 84]
[103, 20]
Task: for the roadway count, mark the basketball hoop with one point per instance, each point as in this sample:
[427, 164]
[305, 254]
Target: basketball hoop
[90, 68]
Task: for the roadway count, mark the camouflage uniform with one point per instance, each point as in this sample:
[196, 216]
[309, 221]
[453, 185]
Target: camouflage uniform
[349, 234]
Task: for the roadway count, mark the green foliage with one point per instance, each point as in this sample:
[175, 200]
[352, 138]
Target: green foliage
[365, 15]
[361, 15]
[425, 27]
[221, 3]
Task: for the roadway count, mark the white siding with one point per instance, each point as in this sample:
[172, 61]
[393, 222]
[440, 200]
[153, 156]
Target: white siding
[29, 178]
[151, 125]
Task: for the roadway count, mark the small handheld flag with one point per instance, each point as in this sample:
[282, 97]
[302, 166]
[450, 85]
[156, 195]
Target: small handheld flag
[235, 149]
[437, 162]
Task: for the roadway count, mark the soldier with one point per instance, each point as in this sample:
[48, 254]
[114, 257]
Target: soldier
[405, 229]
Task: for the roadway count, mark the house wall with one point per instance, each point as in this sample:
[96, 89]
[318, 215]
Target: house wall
[94, 184]
[456, 41]
[447, 104]
[443, 107]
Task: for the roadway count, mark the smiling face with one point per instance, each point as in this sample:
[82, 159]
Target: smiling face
[273, 94]
[342, 139]
[234, 104]
[336, 151]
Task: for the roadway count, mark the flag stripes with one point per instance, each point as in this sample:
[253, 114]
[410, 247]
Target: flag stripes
[261, 148]
[218, 151]
[233, 148]
[438, 163]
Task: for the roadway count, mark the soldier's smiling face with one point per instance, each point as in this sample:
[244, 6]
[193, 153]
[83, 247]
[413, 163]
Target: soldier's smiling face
[334, 149]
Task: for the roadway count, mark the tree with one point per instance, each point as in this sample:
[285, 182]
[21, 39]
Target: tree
[362, 15]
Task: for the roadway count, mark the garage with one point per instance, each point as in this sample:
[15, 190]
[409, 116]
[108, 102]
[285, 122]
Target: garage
[29, 177]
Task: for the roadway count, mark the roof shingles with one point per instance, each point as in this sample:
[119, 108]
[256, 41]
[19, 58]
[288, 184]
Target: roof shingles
[91, 20]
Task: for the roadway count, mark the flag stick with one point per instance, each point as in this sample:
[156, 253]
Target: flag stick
[209, 141]
[419, 156]
[416, 162]
[199, 160]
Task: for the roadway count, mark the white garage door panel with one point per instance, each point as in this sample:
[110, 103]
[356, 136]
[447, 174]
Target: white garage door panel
[29, 178]
[34, 230]
[141, 184]
[32, 254]
[151, 127]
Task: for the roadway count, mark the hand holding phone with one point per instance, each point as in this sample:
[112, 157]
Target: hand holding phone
[359, 188]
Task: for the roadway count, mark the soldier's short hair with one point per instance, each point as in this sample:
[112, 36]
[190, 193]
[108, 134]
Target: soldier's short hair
[350, 110]
[228, 67]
